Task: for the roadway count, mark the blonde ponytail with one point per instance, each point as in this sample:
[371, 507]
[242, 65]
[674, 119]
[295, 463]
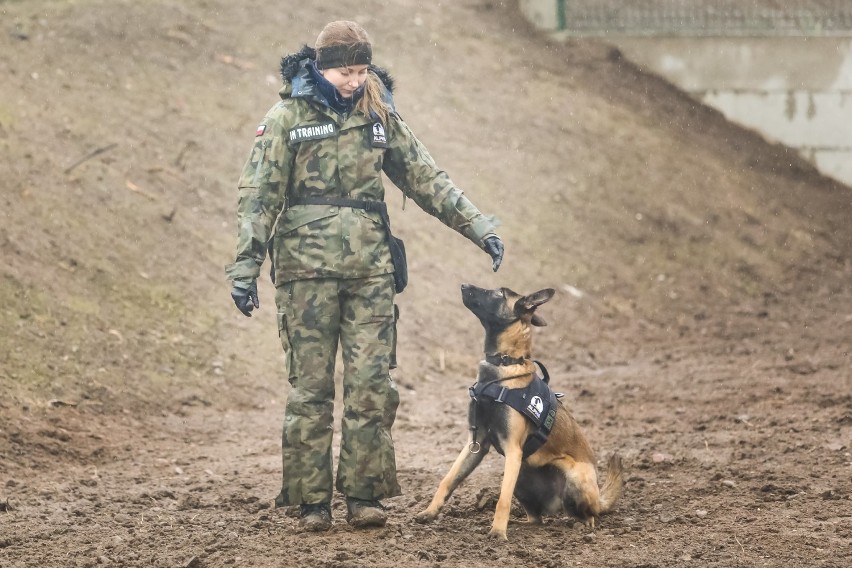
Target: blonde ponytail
[373, 98]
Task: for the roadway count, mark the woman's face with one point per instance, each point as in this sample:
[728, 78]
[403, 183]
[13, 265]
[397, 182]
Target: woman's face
[346, 79]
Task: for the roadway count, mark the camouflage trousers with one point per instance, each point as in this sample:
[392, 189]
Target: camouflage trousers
[314, 316]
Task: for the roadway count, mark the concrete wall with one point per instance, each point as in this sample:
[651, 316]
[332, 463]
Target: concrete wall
[721, 18]
[542, 13]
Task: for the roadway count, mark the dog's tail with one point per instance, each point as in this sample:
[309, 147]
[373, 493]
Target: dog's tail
[614, 484]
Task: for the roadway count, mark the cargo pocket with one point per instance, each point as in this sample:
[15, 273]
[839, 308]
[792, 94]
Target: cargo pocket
[284, 336]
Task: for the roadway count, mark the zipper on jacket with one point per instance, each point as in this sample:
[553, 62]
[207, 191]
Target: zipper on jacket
[264, 145]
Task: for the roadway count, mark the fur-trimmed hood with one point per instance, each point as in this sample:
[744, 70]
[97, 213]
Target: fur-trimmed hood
[292, 64]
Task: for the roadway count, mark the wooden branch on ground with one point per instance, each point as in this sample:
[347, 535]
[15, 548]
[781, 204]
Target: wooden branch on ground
[89, 156]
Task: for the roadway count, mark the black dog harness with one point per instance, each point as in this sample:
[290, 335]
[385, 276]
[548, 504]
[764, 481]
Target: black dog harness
[536, 401]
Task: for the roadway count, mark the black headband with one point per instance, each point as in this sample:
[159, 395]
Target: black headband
[344, 55]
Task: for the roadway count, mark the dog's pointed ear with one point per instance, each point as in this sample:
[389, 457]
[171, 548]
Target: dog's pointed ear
[528, 304]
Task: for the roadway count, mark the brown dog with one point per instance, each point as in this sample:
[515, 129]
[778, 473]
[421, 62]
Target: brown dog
[551, 478]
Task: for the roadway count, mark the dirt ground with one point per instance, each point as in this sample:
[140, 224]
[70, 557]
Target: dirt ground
[701, 326]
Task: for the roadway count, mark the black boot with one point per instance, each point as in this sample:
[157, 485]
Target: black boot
[315, 517]
[362, 514]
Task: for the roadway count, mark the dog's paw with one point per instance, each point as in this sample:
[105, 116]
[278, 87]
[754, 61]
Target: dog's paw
[498, 534]
[426, 516]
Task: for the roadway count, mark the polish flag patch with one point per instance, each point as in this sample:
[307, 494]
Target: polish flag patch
[260, 130]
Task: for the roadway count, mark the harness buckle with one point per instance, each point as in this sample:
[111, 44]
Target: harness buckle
[502, 395]
[473, 445]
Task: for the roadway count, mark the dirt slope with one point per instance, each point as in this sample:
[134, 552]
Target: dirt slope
[701, 327]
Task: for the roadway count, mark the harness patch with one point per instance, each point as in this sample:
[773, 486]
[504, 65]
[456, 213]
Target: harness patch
[380, 139]
[312, 132]
[551, 416]
[535, 407]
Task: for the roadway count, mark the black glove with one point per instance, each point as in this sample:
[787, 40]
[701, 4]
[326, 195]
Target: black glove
[246, 298]
[494, 247]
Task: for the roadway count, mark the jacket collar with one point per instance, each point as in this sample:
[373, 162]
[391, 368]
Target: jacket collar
[296, 71]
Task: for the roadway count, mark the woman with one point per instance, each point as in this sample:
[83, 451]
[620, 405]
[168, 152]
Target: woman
[311, 194]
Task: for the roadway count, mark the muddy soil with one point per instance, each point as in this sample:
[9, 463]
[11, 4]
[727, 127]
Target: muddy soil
[701, 326]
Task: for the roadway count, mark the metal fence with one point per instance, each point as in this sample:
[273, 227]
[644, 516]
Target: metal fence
[705, 17]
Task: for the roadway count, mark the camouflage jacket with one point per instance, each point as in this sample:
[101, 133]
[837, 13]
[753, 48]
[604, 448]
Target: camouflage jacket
[304, 148]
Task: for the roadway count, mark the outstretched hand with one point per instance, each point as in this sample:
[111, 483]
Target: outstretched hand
[494, 247]
[246, 298]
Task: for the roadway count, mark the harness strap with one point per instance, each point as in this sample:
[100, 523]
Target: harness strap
[545, 376]
[471, 421]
